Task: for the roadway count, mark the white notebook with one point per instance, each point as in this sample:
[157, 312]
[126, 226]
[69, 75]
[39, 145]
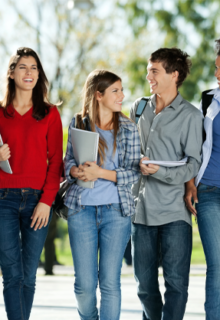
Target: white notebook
[5, 165]
[166, 163]
[85, 148]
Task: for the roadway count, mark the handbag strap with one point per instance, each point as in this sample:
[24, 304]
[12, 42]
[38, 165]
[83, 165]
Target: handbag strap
[85, 121]
[64, 186]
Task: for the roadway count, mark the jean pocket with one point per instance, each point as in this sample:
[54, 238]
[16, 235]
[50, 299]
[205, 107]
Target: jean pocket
[37, 194]
[204, 188]
[73, 212]
[3, 193]
[116, 207]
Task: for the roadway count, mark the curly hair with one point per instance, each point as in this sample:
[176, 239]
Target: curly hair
[217, 47]
[173, 59]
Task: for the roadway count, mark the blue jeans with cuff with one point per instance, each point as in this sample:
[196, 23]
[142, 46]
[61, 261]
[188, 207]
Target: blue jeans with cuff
[104, 229]
[171, 242]
[20, 249]
[208, 216]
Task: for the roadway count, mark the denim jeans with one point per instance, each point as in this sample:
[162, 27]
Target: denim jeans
[171, 244]
[20, 249]
[104, 229]
[208, 215]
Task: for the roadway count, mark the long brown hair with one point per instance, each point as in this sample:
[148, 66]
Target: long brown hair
[41, 104]
[98, 80]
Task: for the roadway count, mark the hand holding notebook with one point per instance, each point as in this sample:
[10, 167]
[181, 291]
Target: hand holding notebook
[4, 165]
[166, 163]
[85, 148]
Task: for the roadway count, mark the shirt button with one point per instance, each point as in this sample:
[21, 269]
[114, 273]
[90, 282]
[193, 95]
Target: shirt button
[148, 148]
[152, 130]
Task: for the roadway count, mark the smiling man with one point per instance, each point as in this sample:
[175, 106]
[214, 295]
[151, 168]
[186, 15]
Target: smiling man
[170, 129]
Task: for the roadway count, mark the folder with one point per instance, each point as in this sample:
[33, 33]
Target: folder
[85, 148]
[5, 165]
[166, 163]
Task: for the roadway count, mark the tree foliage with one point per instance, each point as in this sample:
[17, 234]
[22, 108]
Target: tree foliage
[190, 25]
[70, 44]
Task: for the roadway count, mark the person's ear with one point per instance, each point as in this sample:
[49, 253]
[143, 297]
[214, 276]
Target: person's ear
[11, 75]
[98, 96]
[175, 75]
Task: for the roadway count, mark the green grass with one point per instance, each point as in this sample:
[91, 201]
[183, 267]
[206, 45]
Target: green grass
[63, 251]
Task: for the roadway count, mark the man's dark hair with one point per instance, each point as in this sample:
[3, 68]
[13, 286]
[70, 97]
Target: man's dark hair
[217, 47]
[173, 59]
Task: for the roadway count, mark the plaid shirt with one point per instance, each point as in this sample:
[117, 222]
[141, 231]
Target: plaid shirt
[128, 147]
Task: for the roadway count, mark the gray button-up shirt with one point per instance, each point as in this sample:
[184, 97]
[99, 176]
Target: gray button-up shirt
[172, 134]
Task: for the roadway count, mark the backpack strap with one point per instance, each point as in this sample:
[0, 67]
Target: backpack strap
[206, 101]
[140, 108]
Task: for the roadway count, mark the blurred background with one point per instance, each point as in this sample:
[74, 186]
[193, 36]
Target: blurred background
[73, 38]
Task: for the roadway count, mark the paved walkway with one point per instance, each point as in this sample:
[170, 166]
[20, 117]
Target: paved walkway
[54, 299]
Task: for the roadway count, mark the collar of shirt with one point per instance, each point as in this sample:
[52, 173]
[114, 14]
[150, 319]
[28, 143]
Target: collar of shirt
[125, 123]
[216, 93]
[174, 104]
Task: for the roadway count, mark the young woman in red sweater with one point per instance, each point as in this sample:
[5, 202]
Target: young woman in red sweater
[31, 131]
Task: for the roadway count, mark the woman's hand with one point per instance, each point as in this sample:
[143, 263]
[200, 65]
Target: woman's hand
[74, 171]
[147, 169]
[40, 216]
[4, 152]
[191, 193]
[89, 171]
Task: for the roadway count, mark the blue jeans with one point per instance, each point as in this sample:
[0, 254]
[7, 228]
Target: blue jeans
[208, 215]
[170, 244]
[100, 228]
[20, 249]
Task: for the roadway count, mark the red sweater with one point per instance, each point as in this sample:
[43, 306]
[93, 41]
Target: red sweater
[36, 152]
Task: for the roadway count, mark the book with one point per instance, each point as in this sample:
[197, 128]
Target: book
[85, 148]
[5, 165]
[166, 163]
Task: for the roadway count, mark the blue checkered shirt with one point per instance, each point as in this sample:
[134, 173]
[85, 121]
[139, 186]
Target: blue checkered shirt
[128, 147]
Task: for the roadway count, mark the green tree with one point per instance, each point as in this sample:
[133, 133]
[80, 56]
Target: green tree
[70, 41]
[189, 25]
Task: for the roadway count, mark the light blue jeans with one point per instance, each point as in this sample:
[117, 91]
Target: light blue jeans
[208, 215]
[104, 229]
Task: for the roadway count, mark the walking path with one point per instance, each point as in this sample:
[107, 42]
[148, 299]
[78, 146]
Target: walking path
[54, 299]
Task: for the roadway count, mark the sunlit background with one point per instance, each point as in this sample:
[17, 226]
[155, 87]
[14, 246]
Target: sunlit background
[73, 38]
